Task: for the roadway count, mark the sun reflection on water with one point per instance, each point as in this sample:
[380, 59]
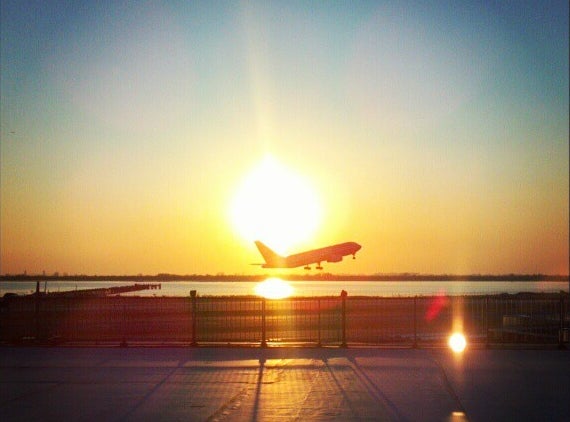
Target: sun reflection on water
[273, 288]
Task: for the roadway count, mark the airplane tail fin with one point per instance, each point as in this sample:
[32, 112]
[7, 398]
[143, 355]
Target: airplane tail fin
[270, 257]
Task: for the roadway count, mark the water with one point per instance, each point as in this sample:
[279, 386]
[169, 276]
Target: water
[305, 288]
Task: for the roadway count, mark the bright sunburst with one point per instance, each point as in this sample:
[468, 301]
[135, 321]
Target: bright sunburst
[273, 288]
[276, 205]
[457, 342]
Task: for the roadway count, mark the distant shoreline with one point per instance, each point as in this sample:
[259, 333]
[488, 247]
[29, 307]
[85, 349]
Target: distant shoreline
[289, 277]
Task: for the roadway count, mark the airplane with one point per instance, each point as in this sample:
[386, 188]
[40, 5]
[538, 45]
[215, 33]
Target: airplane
[332, 253]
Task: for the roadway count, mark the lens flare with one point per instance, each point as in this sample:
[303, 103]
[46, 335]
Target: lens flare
[273, 288]
[457, 342]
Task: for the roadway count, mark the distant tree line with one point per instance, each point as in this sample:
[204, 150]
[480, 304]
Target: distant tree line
[289, 277]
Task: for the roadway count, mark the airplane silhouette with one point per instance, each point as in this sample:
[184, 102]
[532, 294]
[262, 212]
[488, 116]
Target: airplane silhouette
[333, 253]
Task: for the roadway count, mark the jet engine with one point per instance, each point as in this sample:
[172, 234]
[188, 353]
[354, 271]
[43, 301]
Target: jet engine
[335, 258]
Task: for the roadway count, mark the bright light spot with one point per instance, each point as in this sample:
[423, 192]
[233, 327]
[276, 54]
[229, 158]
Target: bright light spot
[457, 342]
[457, 416]
[275, 205]
[273, 288]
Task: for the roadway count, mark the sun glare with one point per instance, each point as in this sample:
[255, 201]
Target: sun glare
[276, 205]
[273, 288]
[457, 342]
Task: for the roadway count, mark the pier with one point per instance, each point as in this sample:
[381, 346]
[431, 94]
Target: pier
[103, 291]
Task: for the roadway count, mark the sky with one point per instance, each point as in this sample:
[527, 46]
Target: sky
[164, 137]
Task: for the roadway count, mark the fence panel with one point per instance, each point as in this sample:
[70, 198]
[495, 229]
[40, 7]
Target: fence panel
[475, 318]
[525, 320]
[380, 320]
[405, 321]
[228, 319]
[17, 319]
[303, 320]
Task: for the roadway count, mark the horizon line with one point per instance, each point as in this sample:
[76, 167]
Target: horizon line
[403, 276]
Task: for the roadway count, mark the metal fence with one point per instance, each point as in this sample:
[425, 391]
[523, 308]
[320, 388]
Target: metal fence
[342, 320]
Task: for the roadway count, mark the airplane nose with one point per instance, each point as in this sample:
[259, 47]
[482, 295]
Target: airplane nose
[358, 247]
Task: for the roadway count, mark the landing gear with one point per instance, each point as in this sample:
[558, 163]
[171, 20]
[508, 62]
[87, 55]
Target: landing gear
[307, 268]
[319, 267]
[353, 256]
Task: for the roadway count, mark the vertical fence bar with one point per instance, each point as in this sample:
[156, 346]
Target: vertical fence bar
[193, 300]
[125, 325]
[561, 327]
[415, 346]
[319, 322]
[263, 327]
[487, 321]
[343, 295]
[68, 330]
[37, 311]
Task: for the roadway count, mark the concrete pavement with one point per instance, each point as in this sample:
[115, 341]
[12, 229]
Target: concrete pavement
[253, 384]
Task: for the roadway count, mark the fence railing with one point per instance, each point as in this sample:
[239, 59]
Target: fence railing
[342, 320]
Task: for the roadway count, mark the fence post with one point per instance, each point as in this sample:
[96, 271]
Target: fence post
[343, 295]
[37, 311]
[125, 325]
[415, 346]
[193, 299]
[487, 321]
[561, 329]
[263, 328]
[319, 344]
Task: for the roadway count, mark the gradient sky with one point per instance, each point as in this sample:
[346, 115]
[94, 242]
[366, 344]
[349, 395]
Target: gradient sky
[433, 133]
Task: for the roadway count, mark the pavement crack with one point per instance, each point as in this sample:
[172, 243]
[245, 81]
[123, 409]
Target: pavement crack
[448, 386]
[373, 389]
[227, 408]
[314, 380]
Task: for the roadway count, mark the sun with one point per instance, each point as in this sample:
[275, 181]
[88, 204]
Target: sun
[276, 205]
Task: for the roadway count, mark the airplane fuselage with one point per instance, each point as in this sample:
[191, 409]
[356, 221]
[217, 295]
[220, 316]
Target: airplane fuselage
[333, 253]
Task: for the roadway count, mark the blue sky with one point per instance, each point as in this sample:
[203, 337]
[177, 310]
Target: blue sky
[434, 131]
